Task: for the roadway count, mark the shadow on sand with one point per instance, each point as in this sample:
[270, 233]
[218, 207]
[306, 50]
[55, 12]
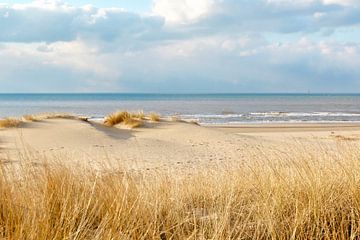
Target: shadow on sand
[112, 132]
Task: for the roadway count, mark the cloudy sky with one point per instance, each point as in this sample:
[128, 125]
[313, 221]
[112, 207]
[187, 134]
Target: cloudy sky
[180, 46]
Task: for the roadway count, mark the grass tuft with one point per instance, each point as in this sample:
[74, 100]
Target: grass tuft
[56, 115]
[131, 120]
[9, 123]
[44, 116]
[138, 115]
[154, 117]
[116, 118]
[30, 118]
[133, 123]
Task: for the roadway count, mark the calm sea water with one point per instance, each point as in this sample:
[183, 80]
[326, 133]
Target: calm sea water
[205, 108]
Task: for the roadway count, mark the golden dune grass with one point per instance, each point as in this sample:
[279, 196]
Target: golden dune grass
[9, 123]
[44, 116]
[133, 122]
[154, 117]
[14, 122]
[306, 195]
[129, 119]
[138, 115]
[116, 118]
[30, 118]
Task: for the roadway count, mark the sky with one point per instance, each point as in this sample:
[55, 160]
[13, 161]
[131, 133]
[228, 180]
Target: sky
[129, 5]
[180, 46]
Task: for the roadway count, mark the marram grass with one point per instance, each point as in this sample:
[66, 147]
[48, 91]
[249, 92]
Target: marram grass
[307, 195]
[9, 123]
[116, 118]
[131, 120]
[154, 117]
[14, 122]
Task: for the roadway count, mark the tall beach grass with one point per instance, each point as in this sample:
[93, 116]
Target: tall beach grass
[305, 195]
[9, 123]
[130, 119]
[155, 117]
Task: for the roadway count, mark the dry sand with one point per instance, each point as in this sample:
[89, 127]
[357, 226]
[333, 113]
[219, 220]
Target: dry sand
[167, 145]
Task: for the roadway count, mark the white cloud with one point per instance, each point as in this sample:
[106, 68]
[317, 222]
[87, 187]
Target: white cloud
[74, 64]
[58, 21]
[204, 45]
[53, 21]
[54, 5]
[182, 11]
[343, 2]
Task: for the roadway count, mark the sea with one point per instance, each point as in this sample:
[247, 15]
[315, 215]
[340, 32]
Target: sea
[207, 109]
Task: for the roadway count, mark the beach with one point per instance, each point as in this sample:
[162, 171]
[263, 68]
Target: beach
[166, 178]
[169, 144]
[179, 120]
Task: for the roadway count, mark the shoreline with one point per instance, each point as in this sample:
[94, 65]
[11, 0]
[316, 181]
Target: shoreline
[287, 127]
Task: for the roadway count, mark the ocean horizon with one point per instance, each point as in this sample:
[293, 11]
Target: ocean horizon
[206, 108]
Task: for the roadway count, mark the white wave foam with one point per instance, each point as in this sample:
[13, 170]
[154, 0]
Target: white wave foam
[304, 114]
[221, 116]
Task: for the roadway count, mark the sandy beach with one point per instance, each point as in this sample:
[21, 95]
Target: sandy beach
[179, 120]
[168, 145]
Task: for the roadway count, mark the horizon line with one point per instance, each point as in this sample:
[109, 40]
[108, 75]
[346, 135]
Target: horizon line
[174, 93]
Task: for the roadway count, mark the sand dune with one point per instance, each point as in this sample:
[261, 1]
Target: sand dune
[167, 145]
[157, 146]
